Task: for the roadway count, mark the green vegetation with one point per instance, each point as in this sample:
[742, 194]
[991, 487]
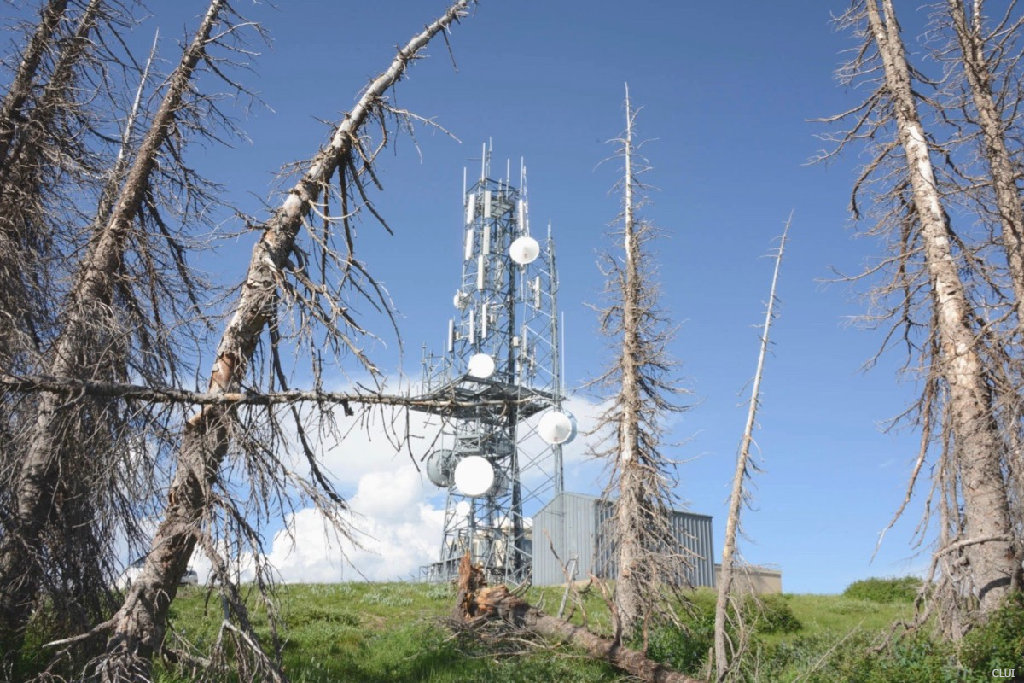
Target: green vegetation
[834, 637]
[399, 632]
[999, 644]
[383, 633]
[884, 590]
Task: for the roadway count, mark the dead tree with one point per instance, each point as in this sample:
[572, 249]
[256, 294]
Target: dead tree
[12, 109]
[39, 136]
[648, 554]
[985, 56]
[477, 603]
[44, 154]
[982, 56]
[727, 651]
[90, 345]
[926, 282]
[277, 273]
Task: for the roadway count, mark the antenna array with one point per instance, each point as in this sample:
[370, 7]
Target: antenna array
[500, 454]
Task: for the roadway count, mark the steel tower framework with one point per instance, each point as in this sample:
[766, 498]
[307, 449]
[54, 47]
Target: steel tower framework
[502, 364]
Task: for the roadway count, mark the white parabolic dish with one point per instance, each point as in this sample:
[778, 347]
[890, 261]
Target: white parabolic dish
[524, 250]
[480, 366]
[556, 427]
[474, 476]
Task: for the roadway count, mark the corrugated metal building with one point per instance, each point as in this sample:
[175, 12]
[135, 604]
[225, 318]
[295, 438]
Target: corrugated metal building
[573, 523]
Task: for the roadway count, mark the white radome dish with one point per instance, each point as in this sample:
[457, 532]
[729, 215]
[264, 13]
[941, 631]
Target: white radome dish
[556, 427]
[524, 250]
[475, 476]
[480, 366]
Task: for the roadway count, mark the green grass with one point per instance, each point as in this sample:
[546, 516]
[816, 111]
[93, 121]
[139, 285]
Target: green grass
[377, 632]
[835, 614]
[903, 589]
[396, 632]
[382, 632]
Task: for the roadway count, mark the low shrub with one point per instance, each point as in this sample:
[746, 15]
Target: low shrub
[686, 647]
[915, 657]
[903, 589]
[999, 643]
[770, 614]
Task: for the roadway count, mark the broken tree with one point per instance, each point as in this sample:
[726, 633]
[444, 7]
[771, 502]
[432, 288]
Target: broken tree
[477, 603]
[137, 629]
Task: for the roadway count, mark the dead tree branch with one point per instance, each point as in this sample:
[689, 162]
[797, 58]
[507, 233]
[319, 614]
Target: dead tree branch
[141, 622]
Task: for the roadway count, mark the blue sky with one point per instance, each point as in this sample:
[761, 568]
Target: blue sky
[728, 92]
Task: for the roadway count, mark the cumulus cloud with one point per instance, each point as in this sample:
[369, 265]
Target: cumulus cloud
[398, 513]
[398, 532]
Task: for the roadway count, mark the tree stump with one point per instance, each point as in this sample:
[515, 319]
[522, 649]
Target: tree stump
[476, 603]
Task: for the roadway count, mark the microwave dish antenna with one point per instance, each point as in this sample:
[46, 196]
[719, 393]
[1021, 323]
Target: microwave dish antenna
[556, 427]
[493, 387]
[524, 250]
[480, 366]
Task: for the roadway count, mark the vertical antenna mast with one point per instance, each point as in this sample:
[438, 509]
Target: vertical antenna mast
[502, 362]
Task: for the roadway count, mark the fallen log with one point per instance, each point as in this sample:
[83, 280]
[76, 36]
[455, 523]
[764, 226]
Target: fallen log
[476, 602]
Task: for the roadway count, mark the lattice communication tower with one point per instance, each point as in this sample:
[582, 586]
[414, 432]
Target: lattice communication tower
[499, 456]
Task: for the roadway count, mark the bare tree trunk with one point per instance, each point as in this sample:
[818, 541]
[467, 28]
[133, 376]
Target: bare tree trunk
[78, 350]
[29, 245]
[724, 655]
[979, 450]
[981, 73]
[24, 239]
[29, 257]
[37, 122]
[648, 555]
[630, 506]
[138, 628]
[610, 650]
[1001, 167]
[21, 87]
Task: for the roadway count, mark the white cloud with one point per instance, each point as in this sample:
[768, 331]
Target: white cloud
[398, 531]
[398, 513]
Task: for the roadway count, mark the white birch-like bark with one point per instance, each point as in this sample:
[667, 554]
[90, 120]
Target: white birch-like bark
[628, 509]
[979, 450]
[724, 652]
[137, 629]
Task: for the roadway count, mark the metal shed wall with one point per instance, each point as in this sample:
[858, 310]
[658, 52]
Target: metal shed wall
[574, 524]
[570, 520]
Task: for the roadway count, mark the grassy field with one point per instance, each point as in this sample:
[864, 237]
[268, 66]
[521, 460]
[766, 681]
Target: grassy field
[399, 632]
[385, 632]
